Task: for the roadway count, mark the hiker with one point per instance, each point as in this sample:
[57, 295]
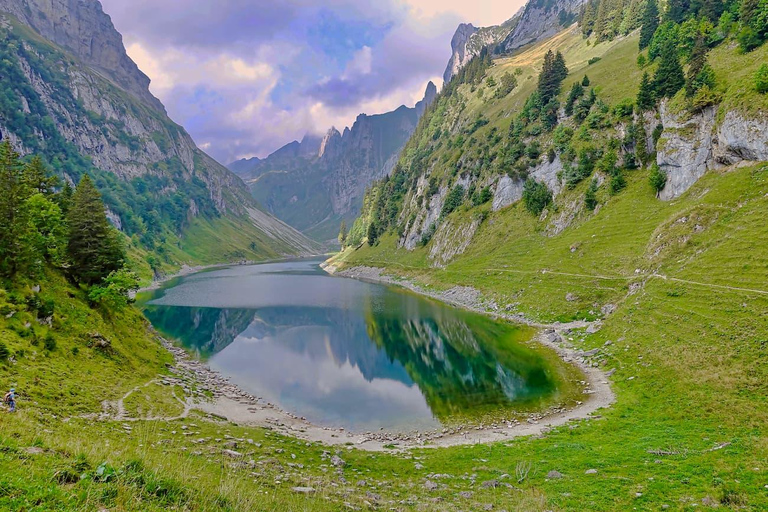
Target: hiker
[10, 399]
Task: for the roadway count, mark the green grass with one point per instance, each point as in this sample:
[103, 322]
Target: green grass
[688, 428]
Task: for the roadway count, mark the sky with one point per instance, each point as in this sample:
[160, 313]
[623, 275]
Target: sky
[246, 77]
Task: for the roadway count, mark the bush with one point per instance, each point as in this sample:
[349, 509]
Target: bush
[748, 40]
[590, 197]
[4, 352]
[624, 109]
[482, 197]
[49, 343]
[761, 79]
[593, 60]
[658, 179]
[536, 196]
[452, 201]
[114, 291]
[618, 182]
[428, 234]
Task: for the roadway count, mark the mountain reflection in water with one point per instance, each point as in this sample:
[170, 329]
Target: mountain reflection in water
[346, 353]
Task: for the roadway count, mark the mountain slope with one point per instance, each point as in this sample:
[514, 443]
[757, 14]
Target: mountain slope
[315, 184]
[79, 101]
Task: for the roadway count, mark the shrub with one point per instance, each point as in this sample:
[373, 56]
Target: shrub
[658, 178]
[4, 352]
[590, 197]
[536, 196]
[114, 291]
[761, 79]
[428, 234]
[452, 201]
[748, 40]
[593, 60]
[624, 109]
[49, 343]
[641, 61]
[618, 182]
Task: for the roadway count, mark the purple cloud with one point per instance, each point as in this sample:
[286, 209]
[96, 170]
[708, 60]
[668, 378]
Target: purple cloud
[245, 77]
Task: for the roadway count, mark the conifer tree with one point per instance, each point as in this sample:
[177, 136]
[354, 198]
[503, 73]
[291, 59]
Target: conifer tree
[669, 77]
[94, 249]
[16, 251]
[699, 73]
[645, 96]
[37, 178]
[552, 75]
[585, 81]
[650, 23]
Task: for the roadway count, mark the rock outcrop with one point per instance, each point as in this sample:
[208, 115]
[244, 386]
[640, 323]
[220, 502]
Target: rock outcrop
[539, 20]
[469, 41]
[692, 145]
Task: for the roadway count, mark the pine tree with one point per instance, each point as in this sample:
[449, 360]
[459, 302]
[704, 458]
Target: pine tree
[645, 96]
[552, 75]
[696, 66]
[16, 251]
[677, 10]
[37, 178]
[650, 23]
[343, 234]
[669, 77]
[64, 198]
[585, 81]
[94, 249]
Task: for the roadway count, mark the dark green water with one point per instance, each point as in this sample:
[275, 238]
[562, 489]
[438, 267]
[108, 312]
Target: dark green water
[350, 354]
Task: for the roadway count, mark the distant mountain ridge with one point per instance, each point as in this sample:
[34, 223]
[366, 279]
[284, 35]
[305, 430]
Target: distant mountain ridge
[315, 183]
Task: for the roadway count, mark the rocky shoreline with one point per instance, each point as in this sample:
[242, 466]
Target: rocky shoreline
[214, 395]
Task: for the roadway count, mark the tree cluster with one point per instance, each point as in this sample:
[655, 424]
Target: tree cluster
[42, 224]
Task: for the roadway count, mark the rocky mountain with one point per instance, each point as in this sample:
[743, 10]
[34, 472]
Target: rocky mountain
[314, 184]
[491, 149]
[539, 20]
[469, 40]
[536, 21]
[71, 94]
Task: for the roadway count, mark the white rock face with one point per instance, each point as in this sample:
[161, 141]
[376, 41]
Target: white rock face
[684, 150]
[451, 240]
[690, 146]
[508, 191]
[740, 139]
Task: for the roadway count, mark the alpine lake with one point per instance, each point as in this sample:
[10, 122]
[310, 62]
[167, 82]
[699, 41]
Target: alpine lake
[357, 355]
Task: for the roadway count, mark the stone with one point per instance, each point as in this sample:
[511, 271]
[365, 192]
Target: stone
[304, 490]
[34, 450]
[554, 475]
[430, 485]
[590, 472]
[465, 494]
[337, 461]
[231, 453]
[489, 484]
[570, 297]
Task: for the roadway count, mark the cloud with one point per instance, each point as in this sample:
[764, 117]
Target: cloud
[245, 77]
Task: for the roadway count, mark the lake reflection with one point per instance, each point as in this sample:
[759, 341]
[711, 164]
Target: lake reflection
[345, 353]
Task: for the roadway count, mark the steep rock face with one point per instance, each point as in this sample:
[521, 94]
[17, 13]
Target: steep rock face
[315, 183]
[82, 27]
[74, 97]
[468, 42]
[691, 145]
[459, 56]
[540, 19]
